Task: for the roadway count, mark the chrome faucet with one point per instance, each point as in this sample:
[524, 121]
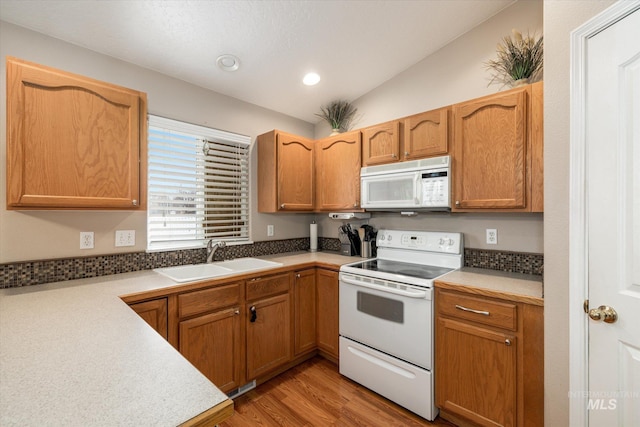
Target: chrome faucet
[212, 247]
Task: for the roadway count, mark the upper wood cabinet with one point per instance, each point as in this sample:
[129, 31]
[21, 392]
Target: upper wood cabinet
[73, 142]
[285, 173]
[495, 139]
[338, 172]
[426, 134]
[381, 143]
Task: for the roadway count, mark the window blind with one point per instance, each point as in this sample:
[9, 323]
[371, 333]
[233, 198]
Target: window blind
[198, 185]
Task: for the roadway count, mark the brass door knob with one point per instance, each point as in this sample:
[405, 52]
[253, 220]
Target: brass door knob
[604, 312]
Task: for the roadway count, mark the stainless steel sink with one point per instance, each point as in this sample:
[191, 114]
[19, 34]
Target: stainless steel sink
[194, 272]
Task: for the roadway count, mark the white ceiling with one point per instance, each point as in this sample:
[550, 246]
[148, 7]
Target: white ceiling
[354, 45]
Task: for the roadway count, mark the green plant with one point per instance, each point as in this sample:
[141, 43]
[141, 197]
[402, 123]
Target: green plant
[518, 58]
[339, 114]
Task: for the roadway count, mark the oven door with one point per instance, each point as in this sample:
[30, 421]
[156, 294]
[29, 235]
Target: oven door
[391, 317]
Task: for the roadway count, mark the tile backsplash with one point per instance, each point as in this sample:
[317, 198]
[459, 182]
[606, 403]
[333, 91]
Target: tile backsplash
[28, 273]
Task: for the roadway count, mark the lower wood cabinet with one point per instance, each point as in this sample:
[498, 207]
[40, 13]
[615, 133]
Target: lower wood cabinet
[154, 312]
[489, 360]
[268, 335]
[251, 329]
[304, 307]
[213, 344]
[327, 308]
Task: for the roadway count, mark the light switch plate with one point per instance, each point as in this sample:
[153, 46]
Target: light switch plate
[270, 230]
[125, 238]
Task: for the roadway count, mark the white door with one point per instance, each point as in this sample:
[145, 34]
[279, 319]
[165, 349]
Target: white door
[613, 219]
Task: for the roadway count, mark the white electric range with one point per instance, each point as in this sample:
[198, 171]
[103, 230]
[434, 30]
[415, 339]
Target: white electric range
[386, 315]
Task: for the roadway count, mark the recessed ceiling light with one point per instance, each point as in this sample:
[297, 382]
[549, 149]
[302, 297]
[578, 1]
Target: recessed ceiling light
[228, 62]
[311, 79]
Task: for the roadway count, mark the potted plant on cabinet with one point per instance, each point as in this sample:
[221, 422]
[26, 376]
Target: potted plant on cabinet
[519, 60]
[339, 114]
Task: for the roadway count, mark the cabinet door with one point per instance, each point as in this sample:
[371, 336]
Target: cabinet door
[426, 134]
[381, 144]
[213, 344]
[295, 173]
[338, 172]
[491, 152]
[154, 313]
[476, 373]
[328, 330]
[73, 142]
[304, 292]
[268, 335]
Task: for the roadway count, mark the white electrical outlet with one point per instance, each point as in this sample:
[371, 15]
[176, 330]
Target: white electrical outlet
[86, 240]
[125, 238]
[270, 230]
[492, 236]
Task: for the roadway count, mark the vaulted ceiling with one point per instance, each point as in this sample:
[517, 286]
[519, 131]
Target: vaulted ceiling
[353, 45]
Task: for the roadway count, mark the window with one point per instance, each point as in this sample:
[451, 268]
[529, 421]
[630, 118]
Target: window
[198, 185]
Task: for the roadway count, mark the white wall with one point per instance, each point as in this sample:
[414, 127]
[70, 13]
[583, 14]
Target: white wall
[560, 18]
[453, 74]
[33, 235]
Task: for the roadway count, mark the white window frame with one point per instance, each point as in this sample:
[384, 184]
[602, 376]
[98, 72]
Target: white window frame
[192, 234]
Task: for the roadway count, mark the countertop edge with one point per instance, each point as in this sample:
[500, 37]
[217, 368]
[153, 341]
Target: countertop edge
[511, 296]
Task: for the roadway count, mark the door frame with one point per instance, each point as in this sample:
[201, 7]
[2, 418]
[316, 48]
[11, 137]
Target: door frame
[578, 237]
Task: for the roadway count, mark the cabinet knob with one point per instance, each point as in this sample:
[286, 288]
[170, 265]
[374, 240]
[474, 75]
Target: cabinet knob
[507, 342]
[406, 153]
[355, 205]
[134, 202]
[394, 156]
[457, 202]
[236, 312]
[282, 206]
[297, 275]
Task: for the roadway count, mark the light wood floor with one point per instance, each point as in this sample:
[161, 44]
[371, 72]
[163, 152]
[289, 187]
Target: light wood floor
[315, 394]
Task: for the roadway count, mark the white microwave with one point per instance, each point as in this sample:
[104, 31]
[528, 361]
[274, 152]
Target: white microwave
[417, 185]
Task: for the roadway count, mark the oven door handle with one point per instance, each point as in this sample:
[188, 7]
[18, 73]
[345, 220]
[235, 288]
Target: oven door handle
[405, 293]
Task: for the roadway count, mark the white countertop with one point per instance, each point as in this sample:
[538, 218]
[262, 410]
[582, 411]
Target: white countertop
[499, 284]
[73, 353]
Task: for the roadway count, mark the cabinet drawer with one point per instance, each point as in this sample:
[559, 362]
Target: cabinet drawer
[477, 309]
[197, 302]
[265, 286]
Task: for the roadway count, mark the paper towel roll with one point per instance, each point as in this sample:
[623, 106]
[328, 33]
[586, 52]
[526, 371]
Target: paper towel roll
[313, 237]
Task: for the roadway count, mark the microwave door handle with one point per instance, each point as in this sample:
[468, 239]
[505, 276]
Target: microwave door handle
[417, 188]
[403, 292]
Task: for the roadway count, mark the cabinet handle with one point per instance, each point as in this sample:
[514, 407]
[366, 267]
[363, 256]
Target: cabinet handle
[255, 278]
[254, 315]
[394, 156]
[282, 206]
[457, 202]
[507, 342]
[134, 202]
[297, 275]
[484, 313]
[406, 153]
[236, 312]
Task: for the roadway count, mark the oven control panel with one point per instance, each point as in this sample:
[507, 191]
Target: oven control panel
[431, 241]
